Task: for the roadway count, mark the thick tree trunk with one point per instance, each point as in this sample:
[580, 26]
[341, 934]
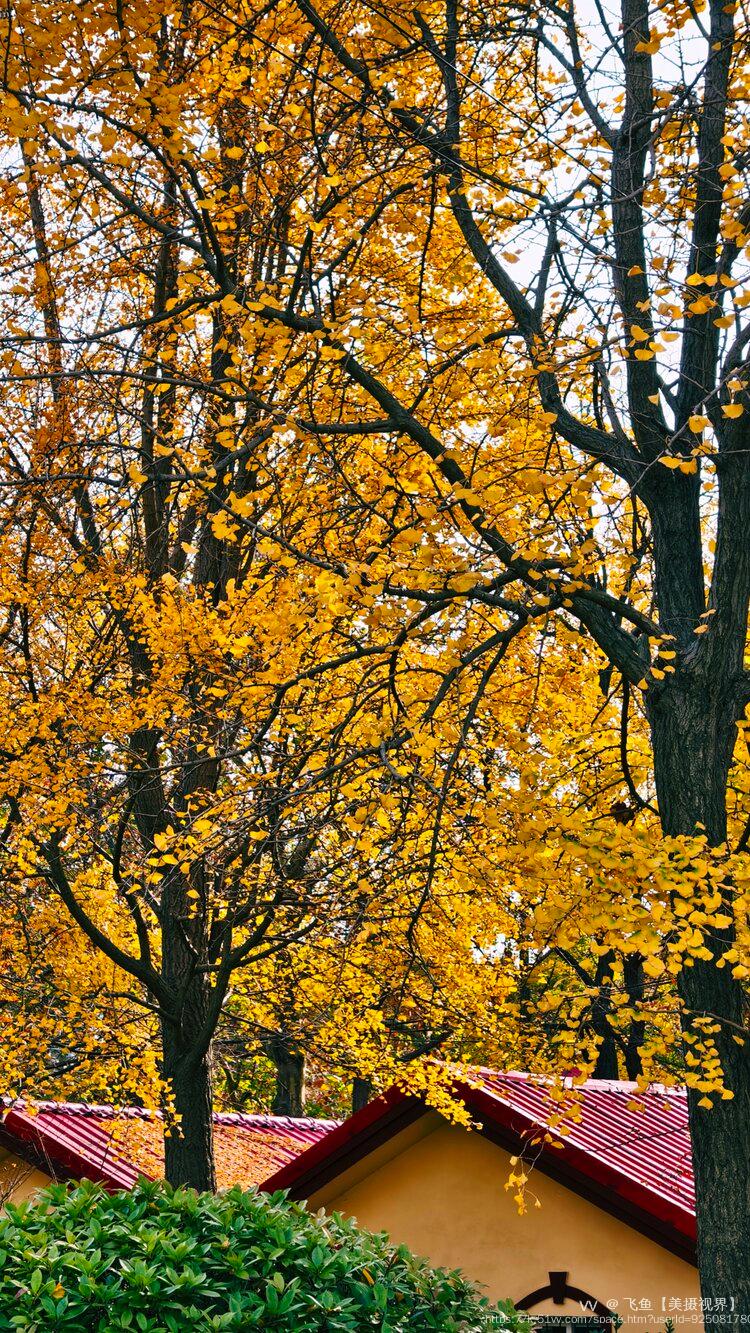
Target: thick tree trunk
[606, 1061]
[186, 1043]
[633, 978]
[361, 1093]
[693, 731]
[721, 1152]
[189, 1149]
[289, 1097]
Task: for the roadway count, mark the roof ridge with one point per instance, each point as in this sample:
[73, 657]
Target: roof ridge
[93, 1109]
[263, 1120]
[96, 1110]
[623, 1086]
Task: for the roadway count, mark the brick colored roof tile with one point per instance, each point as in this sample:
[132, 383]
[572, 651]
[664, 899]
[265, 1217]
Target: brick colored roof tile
[116, 1146]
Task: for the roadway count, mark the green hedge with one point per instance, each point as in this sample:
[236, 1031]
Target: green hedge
[157, 1260]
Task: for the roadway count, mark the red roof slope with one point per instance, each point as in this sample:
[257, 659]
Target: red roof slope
[115, 1147]
[625, 1150]
[643, 1136]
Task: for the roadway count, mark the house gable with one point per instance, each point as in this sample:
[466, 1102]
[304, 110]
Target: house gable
[626, 1151]
[441, 1191]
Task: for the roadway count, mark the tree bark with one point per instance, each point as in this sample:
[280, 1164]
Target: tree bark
[187, 1028]
[606, 1061]
[693, 726]
[633, 979]
[721, 1152]
[361, 1093]
[289, 1096]
[189, 1149]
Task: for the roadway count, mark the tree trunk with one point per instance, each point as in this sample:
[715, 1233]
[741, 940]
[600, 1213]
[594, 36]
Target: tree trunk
[633, 980]
[361, 1093]
[721, 1152]
[606, 1060]
[693, 727]
[186, 1030]
[189, 1149]
[289, 1097]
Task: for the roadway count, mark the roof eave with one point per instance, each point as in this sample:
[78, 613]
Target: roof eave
[22, 1135]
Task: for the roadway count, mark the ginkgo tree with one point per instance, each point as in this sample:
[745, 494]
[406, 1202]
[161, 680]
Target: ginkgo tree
[171, 772]
[352, 357]
[607, 150]
[199, 680]
[71, 1029]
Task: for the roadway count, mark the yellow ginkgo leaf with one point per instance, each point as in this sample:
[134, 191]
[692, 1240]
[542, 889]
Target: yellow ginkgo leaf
[733, 410]
[462, 582]
[653, 967]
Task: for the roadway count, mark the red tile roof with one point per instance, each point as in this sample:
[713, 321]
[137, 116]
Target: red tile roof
[115, 1147]
[625, 1150]
[642, 1136]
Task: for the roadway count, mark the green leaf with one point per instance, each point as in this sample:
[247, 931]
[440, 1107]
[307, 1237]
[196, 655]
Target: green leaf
[156, 1260]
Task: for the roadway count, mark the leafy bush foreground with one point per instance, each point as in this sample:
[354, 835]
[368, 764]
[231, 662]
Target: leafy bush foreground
[166, 1261]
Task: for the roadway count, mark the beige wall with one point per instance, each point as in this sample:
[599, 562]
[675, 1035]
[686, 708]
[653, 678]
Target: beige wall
[18, 1180]
[439, 1189]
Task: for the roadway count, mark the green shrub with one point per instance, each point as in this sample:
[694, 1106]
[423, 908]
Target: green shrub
[166, 1261]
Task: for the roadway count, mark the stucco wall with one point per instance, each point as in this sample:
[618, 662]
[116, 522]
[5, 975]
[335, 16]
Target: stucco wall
[18, 1180]
[440, 1190]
